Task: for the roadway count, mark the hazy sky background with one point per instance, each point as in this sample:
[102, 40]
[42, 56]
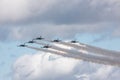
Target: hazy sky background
[94, 22]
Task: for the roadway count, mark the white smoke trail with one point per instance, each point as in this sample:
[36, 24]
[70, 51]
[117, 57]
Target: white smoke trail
[63, 43]
[52, 46]
[101, 51]
[95, 50]
[58, 48]
[85, 57]
[78, 53]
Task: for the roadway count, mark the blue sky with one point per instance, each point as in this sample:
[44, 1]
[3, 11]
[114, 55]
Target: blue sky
[93, 22]
[8, 55]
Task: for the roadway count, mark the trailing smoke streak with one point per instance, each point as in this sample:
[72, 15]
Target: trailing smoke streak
[64, 43]
[84, 57]
[94, 50]
[56, 48]
[45, 50]
[78, 53]
[101, 51]
[53, 47]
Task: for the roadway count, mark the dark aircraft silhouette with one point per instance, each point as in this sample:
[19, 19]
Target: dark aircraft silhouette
[39, 38]
[31, 41]
[22, 45]
[56, 40]
[74, 41]
[46, 46]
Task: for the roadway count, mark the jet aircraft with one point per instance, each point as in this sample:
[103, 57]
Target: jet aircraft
[39, 38]
[46, 46]
[74, 41]
[22, 45]
[31, 41]
[56, 40]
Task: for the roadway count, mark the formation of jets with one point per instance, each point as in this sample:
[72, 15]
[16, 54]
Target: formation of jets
[39, 38]
[45, 46]
[98, 55]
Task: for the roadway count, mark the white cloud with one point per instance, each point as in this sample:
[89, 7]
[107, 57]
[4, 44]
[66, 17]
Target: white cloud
[39, 66]
[102, 73]
[45, 66]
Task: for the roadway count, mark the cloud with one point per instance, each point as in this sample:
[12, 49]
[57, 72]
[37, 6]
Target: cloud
[29, 18]
[116, 32]
[62, 12]
[40, 66]
[43, 66]
[12, 11]
[50, 30]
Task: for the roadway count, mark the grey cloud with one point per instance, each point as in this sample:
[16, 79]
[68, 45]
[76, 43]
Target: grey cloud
[51, 30]
[80, 12]
[60, 12]
[62, 18]
[4, 33]
[116, 32]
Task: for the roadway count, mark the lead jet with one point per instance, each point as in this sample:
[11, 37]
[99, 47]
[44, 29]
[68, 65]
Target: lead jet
[22, 45]
[56, 40]
[39, 38]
